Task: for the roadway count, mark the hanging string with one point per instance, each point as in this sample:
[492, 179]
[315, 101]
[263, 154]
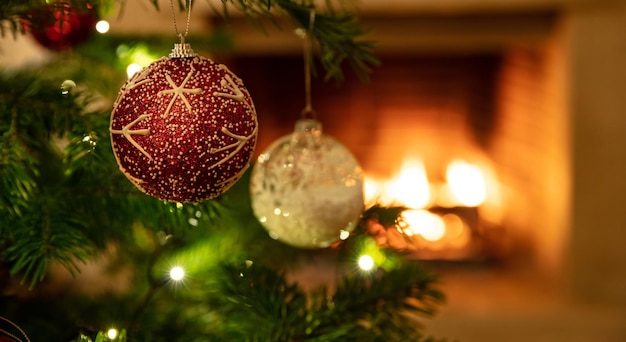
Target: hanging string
[181, 35]
[308, 57]
[16, 327]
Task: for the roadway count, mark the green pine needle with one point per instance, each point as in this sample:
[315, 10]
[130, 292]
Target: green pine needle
[258, 304]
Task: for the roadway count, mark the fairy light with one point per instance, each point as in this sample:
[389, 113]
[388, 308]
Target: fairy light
[177, 273]
[112, 333]
[102, 26]
[366, 262]
[132, 69]
[134, 57]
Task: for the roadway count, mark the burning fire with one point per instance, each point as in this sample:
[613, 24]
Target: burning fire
[435, 210]
[411, 187]
[467, 183]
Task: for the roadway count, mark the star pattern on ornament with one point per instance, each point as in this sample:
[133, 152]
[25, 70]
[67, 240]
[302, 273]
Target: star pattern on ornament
[241, 141]
[179, 91]
[227, 183]
[228, 83]
[128, 133]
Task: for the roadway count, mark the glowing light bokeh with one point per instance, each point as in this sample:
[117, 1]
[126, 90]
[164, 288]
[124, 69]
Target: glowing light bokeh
[467, 183]
[371, 191]
[411, 186]
[366, 262]
[177, 273]
[102, 26]
[430, 226]
[135, 57]
[132, 69]
[112, 333]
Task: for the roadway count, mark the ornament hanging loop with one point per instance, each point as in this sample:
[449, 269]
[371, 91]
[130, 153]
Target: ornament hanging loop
[182, 50]
[308, 112]
[188, 18]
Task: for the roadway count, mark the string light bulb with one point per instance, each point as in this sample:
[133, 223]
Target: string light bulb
[102, 26]
[366, 262]
[132, 69]
[112, 333]
[177, 273]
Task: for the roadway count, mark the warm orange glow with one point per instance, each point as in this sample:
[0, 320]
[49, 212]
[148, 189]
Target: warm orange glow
[458, 234]
[432, 220]
[410, 187]
[466, 183]
[430, 226]
[454, 226]
[371, 191]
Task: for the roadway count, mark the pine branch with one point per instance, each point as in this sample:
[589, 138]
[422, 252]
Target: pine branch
[54, 237]
[384, 304]
[339, 36]
[38, 229]
[337, 32]
[17, 171]
[261, 306]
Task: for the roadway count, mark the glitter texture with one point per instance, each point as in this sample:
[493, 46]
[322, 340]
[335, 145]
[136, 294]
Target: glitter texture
[183, 129]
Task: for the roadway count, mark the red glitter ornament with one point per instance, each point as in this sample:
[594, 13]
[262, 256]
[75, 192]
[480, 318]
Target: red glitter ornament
[61, 26]
[184, 128]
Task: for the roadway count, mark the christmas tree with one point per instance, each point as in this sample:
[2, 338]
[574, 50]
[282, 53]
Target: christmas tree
[163, 270]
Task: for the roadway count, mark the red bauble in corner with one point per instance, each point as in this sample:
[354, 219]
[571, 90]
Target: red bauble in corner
[183, 129]
[60, 26]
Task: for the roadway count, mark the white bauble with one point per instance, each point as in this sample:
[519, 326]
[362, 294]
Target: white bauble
[307, 188]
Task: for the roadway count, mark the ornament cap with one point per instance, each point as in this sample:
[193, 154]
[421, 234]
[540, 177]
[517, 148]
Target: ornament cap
[182, 50]
[310, 126]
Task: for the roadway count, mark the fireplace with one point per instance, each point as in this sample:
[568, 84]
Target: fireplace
[429, 130]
